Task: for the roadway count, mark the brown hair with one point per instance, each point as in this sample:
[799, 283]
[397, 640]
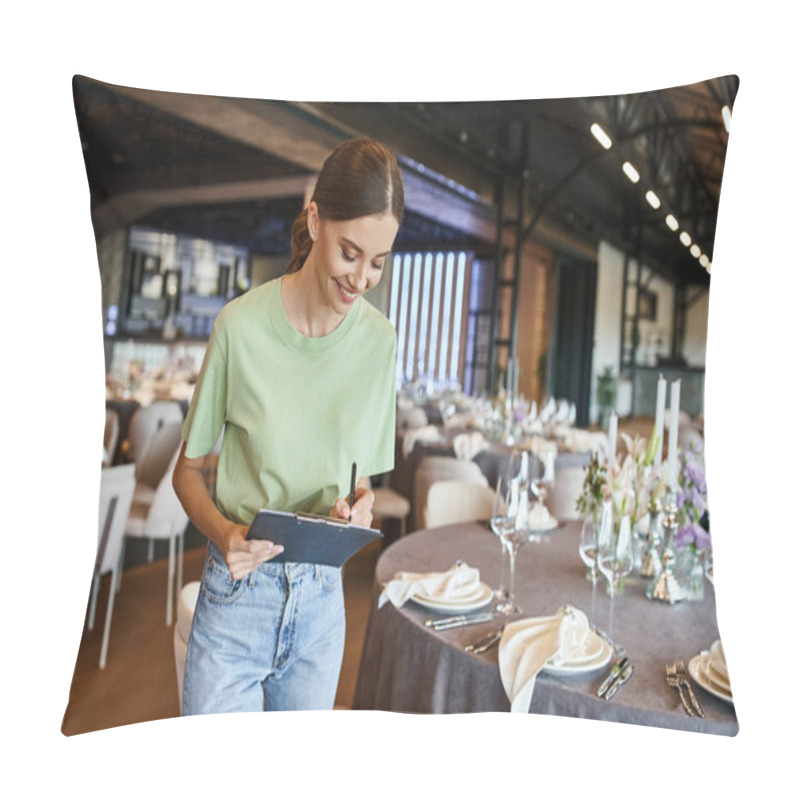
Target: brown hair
[359, 178]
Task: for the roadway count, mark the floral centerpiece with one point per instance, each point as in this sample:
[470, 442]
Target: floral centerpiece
[629, 483]
[692, 539]
[593, 492]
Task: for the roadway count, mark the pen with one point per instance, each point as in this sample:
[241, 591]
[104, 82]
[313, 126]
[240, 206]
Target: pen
[352, 488]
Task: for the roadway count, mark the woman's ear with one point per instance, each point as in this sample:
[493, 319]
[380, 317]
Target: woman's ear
[313, 220]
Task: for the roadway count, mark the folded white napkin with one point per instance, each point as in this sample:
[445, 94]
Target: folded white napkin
[460, 581]
[527, 644]
[427, 433]
[468, 445]
[717, 660]
[539, 517]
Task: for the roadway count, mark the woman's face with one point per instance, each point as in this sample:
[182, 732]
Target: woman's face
[348, 256]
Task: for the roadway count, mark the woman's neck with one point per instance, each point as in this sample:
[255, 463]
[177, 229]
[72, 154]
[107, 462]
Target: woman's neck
[303, 302]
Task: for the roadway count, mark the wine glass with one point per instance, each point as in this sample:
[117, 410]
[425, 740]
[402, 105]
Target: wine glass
[502, 522]
[588, 553]
[510, 523]
[544, 480]
[614, 554]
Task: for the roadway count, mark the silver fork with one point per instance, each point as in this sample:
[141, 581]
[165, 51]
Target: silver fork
[680, 669]
[674, 682]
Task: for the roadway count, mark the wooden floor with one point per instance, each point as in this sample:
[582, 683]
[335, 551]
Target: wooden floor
[139, 681]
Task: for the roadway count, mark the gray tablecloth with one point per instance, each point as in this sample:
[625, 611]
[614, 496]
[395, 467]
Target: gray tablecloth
[408, 667]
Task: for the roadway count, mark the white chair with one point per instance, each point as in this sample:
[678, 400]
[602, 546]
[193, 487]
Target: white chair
[162, 517]
[390, 504]
[116, 495]
[110, 436]
[187, 600]
[567, 487]
[154, 460]
[146, 420]
[453, 501]
[439, 468]
[410, 418]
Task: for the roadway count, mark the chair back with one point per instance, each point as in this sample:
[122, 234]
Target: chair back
[439, 468]
[166, 516]
[117, 485]
[158, 453]
[411, 418]
[111, 434]
[566, 490]
[146, 420]
[452, 501]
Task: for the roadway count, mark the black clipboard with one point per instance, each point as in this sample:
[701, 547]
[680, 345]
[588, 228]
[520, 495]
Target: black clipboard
[309, 538]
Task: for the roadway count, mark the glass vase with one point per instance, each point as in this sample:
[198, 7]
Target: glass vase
[689, 572]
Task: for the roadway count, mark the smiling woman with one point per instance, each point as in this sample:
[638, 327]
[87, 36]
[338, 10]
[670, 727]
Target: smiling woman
[267, 635]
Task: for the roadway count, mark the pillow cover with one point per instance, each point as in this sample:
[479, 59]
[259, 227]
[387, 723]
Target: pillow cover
[192, 201]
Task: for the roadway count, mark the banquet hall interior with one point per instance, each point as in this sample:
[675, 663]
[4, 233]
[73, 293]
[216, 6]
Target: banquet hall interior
[549, 287]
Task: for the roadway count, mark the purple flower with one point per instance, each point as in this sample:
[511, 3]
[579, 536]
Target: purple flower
[693, 534]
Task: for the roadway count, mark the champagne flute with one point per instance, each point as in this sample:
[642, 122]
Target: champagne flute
[510, 523]
[502, 523]
[614, 554]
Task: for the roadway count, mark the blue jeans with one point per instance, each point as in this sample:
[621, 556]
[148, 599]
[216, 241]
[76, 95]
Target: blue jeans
[271, 641]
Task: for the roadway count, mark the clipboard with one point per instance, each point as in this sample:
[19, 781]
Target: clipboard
[310, 538]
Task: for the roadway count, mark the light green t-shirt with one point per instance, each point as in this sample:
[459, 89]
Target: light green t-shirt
[296, 411]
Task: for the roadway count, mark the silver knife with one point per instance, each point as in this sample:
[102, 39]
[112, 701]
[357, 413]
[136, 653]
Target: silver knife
[620, 681]
[485, 643]
[429, 623]
[460, 623]
[615, 670]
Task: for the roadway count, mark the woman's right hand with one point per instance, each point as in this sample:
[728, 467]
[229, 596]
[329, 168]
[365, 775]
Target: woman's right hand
[243, 555]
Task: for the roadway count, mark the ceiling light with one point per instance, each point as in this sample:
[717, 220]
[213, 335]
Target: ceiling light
[695, 251]
[685, 238]
[601, 136]
[652, 198]
[672, 223]
[726, 118]
[704, 261]
[631, 172]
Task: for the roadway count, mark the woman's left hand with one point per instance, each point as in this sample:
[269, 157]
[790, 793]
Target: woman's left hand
[361, 512]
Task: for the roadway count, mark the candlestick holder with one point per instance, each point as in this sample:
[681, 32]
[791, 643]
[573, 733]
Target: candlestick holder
[651, 557]
[665, 587]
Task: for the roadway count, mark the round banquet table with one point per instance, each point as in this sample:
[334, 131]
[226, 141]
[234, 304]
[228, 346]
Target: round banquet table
[407, 667]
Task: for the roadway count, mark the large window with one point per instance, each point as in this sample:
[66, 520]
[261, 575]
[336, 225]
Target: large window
[427, 308]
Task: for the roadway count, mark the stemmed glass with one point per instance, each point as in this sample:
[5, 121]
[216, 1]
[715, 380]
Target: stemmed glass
[510, 523]
[614, 554]
[543, 482]
[588, 553]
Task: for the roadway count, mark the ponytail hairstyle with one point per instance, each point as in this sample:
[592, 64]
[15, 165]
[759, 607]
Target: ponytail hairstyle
[359, 178]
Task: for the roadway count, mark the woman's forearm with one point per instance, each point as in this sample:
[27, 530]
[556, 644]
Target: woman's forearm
[190, 486]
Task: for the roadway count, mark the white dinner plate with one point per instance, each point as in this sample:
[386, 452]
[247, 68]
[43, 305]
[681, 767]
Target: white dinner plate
[584, 665]
[698, 669]
[473, 602]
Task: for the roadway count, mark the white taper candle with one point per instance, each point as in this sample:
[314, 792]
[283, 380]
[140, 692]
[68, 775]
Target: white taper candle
[661, 402]
[674, 407]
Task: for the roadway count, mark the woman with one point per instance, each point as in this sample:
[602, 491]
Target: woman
[299, 378]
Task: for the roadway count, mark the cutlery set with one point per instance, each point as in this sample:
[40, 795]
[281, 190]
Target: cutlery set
[676, 678]
[460, 621]
[619, 675]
